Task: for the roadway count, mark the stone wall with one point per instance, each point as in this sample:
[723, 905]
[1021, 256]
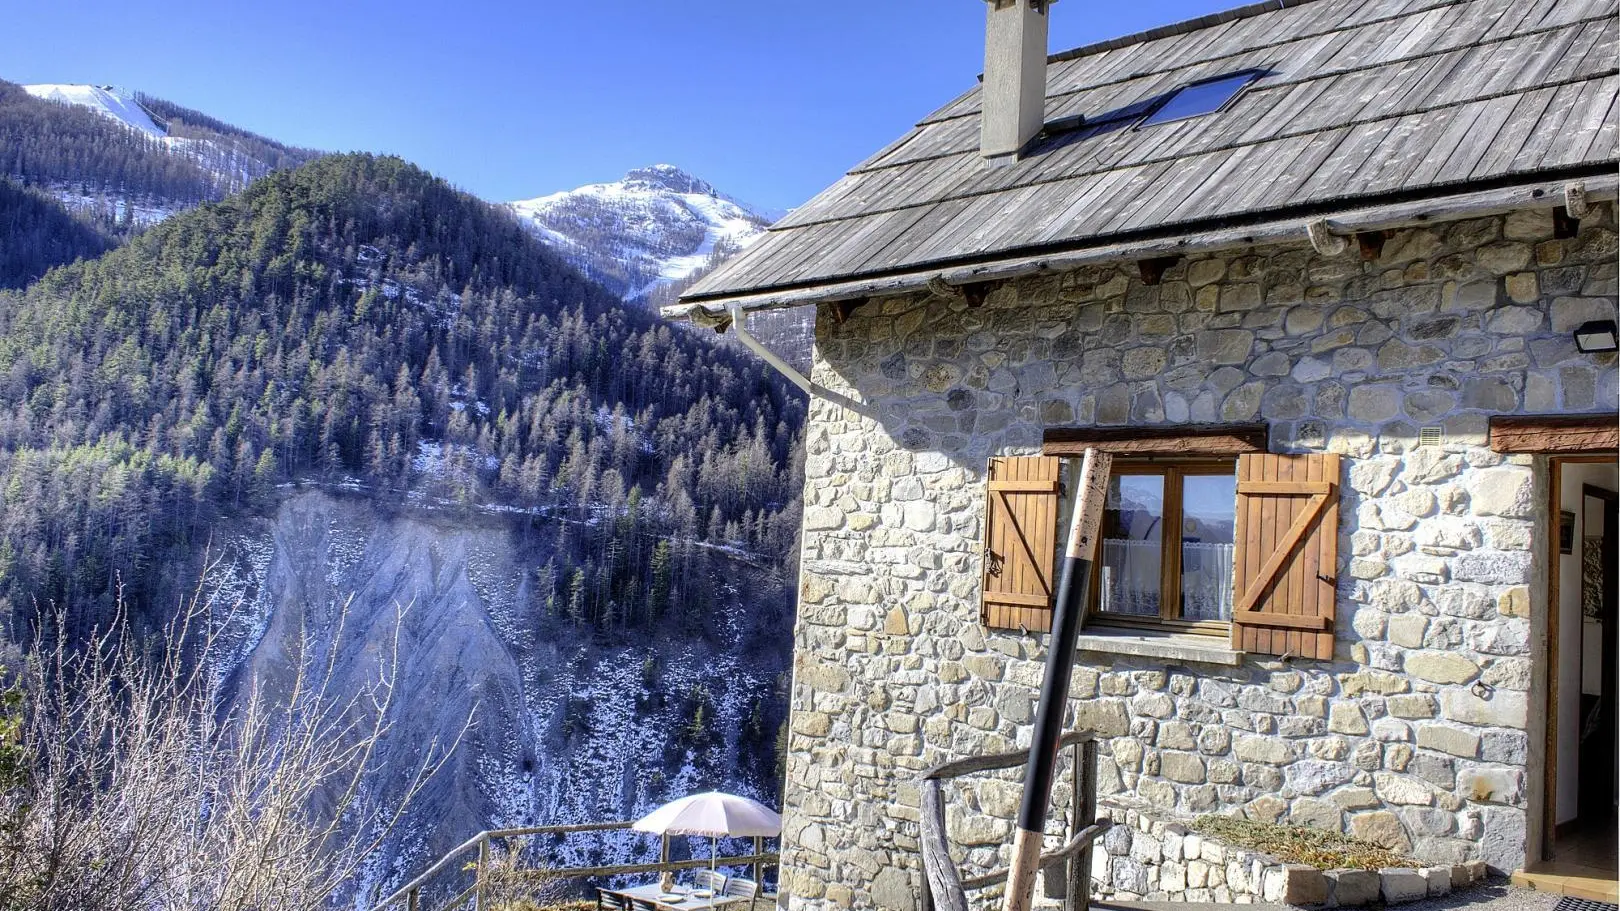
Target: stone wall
[1147, 856]
[1414, 735]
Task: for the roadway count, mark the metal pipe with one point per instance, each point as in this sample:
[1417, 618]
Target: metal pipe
[1091, 493]
[739, 324]
[739, 321]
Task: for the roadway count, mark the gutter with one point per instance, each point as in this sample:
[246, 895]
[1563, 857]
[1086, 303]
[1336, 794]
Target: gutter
[1316, 227]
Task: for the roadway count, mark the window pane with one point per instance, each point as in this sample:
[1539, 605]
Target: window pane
[1133, 535]
[1203, 98]
[1208, 527]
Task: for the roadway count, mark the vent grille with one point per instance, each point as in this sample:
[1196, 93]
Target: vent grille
[1432, 436]
[1571, 903]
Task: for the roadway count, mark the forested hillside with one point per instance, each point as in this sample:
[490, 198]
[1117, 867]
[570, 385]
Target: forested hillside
[359, 322]
[36, 233]
[110, 177]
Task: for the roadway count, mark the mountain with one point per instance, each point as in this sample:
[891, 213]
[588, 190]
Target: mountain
[104, 100]
[361, 404]
[653, 234]
[227, 157]
[655, 226]
[119, 161]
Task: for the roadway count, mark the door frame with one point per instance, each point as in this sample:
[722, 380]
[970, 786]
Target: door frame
[1542, 821]
[1551, 440]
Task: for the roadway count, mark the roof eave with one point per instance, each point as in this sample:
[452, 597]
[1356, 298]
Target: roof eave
[1353, 217]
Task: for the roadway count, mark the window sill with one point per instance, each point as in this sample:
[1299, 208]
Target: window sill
[1169, 646]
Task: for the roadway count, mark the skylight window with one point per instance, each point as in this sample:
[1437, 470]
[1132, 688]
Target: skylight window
[1201, 98]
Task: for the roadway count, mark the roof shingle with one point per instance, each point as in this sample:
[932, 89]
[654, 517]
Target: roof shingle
[1360, 99]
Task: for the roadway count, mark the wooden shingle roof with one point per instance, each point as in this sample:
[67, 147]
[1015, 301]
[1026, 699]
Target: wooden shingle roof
[1360, 101]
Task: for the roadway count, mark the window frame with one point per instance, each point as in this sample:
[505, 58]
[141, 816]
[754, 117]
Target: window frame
[1253, 74]
[1173, 471]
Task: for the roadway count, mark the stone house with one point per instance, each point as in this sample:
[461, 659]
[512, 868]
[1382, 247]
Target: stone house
[1335, 281]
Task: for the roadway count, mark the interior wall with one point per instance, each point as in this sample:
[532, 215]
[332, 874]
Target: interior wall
[1571, 630]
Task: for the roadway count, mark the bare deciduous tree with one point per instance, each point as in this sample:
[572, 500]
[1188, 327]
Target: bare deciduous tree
[126, 783]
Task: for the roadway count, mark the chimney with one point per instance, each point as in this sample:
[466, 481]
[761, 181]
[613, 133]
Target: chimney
[1014, 91]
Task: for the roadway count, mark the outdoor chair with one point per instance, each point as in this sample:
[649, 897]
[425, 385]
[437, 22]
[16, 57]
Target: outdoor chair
[611, 901]
[641, 904]
[737, 887]
[710, 879]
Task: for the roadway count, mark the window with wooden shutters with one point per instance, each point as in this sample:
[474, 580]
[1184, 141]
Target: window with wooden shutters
[1020, 542]
[1287, 554]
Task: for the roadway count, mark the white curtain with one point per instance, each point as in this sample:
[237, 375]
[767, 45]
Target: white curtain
[1206, 581]
[1130, 579]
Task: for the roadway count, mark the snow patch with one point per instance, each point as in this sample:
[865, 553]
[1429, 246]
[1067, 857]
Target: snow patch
[655, 226]
[104, 100]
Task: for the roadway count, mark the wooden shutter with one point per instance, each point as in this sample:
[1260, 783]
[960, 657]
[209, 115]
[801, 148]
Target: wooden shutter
[1020, 542]
[1287, 554]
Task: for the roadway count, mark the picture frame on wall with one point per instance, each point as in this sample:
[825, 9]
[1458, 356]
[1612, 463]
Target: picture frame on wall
[1566, 532]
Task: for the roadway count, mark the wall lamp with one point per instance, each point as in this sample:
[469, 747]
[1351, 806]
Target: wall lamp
[1597, 336]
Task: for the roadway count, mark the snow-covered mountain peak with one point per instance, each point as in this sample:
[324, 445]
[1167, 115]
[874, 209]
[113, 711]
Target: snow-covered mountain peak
[668, 177]
[655, 226]
[104, 100]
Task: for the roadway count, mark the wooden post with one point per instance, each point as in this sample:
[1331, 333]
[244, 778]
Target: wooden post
[483, 868]
[1077, 821]
[413, 900]
[1078, 896]
[1090, 493]
[759, 869]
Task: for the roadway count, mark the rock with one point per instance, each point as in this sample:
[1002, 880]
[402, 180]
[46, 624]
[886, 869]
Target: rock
[1129, 876]
[1105, 717]
[1401, 789]
[1570, 312]
[1438, 880]
[1301, 885]
[1350, 888]
[1225, 346]
[1372, 681]
[1486, 785]
[1398, 884]
[1507, 491]
[1183, 767]
[1268, 750]
[1380, 827]
[1356, 798]
[1502, 843]
[1314, 776]
[1374, 404]
[1412, 706]
[893, 889]
[1346, 718]
[1440, 667]
[1505, 708]
[1456, 741]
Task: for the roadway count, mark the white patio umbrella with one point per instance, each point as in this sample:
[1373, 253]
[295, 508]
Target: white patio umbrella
[713, 814]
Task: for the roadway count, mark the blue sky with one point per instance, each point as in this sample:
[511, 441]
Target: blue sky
[770, 101]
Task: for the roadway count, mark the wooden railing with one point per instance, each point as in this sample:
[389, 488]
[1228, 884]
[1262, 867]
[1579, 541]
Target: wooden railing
[411, 894]
[943, 886]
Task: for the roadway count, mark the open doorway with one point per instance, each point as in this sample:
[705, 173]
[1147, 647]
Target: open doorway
[1583, 838]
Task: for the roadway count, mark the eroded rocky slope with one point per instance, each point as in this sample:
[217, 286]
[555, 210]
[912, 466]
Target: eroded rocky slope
[562, 724]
